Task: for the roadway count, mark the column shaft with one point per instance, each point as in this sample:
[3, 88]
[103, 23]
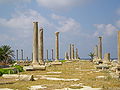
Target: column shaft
[100, 48]
[35, 43]
[118, 46]
[57, 45]
[40, 47]
[70, 52]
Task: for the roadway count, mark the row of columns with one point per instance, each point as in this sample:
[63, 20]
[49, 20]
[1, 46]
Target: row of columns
[72, 53]
[18, 55]
[37, 45]
[98, 49]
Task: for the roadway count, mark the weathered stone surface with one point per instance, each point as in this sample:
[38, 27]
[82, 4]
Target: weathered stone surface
[28, 68]
[56, 63]
[101, 77]
[37, 87]
[39, 67]
[106, 59]
[19, 77]
[102, 66]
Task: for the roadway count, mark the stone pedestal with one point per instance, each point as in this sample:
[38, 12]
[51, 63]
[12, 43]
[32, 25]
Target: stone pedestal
[56, 63]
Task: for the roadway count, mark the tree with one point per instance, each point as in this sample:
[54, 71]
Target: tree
[6, 54]
[91, 55]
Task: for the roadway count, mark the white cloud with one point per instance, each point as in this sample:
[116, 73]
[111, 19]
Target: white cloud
[60, 4]
[66, 24]
[105, 29]
[21, 22]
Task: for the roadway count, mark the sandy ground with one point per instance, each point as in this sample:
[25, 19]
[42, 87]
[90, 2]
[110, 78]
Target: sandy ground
[67, 75]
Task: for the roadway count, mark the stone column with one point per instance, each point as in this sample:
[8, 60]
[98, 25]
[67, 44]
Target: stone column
[100, 48]
[66, 56]
[52, 57]
[21, 54]
[47, 55]
[70, 53]
[118, 47]
[73, 52]
[57, 46]
[76, 57]
[96, 52]
[17, 55]
[26, 58]
[40, 47]
[35, 44]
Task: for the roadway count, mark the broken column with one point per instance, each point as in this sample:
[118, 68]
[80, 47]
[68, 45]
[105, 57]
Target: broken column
[106, 58]
[100, 48]
[35, 44]
[40, 47]
[57, 46]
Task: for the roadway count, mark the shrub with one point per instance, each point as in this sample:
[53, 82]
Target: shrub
[6, 71]
[20, 68]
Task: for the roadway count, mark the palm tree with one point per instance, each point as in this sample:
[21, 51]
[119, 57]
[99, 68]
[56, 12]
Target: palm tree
[91, 55]
[6, 54]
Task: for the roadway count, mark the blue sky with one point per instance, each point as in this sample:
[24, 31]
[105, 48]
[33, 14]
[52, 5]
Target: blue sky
[79, 22]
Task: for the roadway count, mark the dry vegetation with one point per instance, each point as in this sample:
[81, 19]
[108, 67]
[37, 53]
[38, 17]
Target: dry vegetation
[83, 70]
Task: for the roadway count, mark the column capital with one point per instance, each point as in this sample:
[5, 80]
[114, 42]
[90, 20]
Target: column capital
[56, 33]
[35, 22]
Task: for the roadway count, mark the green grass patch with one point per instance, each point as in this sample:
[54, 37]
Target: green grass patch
[63, 61]
[20, 68]
[6, 71]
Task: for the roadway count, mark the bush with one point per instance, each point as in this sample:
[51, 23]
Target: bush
[20, 68]
[6, 71]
